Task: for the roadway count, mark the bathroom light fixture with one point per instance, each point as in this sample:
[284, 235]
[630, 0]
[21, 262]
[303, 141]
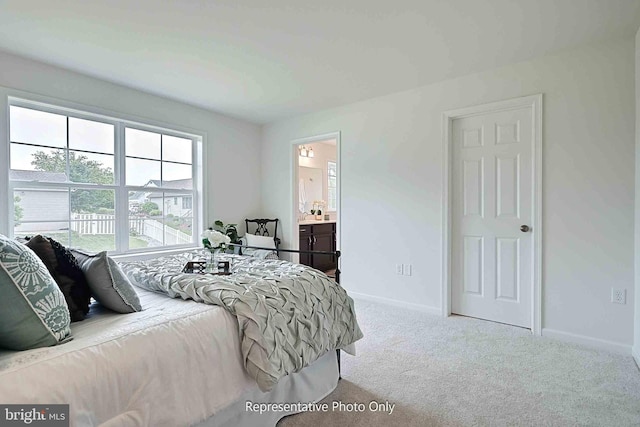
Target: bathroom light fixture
[305, 152]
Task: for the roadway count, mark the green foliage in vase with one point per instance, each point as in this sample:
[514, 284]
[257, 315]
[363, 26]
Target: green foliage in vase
[230, 230]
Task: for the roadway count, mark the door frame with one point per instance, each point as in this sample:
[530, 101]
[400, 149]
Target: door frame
[293, 174]
[535, 103]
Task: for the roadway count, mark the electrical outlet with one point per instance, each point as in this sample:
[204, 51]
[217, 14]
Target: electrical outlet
[399, 269]
[618, 296]
[406, 269]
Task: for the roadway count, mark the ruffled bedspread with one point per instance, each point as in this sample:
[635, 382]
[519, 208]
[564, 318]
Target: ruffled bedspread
[288, 314]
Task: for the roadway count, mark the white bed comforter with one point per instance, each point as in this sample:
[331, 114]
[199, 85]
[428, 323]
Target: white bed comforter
[108, 377]
[289, 314]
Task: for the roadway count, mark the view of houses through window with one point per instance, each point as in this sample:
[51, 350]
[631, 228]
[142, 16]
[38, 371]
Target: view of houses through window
[70, 173]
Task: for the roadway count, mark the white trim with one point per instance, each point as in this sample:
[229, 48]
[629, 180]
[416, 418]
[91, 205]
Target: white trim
[76, 109]
[293, 193]
[121, 193]
[5, 194]
[635, 352]
[396, 303]
[201, 180]
[612, 346]
[535, 102]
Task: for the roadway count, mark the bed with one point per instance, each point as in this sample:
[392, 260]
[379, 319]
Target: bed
[178, 362]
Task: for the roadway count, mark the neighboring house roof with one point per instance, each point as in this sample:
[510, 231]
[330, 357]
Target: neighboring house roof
[138, 195]
[157, 195]
[25, 175]
[176, 183]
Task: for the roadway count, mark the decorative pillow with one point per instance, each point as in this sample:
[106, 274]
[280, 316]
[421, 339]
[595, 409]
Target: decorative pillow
[108, 283]
[263, 242]
[65, 271]
[33, 312]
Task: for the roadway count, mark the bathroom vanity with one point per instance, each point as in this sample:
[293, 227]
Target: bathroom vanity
[318, 236]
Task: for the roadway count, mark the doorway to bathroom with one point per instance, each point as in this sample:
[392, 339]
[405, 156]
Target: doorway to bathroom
[316, 199]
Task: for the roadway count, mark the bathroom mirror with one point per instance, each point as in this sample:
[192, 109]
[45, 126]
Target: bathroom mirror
[310, 187]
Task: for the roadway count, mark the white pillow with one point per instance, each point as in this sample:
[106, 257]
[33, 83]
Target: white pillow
[260, 241]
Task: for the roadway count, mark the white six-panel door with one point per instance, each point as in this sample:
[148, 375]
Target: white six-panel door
[491, 230]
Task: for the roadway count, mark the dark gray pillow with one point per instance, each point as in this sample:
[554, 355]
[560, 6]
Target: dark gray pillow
[65, 271]
[108, 283]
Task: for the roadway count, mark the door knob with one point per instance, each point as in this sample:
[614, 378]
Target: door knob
[524, 228]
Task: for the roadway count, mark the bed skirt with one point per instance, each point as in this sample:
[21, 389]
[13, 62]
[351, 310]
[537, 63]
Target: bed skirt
[311, 384]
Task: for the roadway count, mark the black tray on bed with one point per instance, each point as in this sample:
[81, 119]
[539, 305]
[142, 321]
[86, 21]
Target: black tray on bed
[200, 267]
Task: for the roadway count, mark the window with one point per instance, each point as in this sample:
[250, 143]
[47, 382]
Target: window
[187, 202]
[332, 186]
[100, 184]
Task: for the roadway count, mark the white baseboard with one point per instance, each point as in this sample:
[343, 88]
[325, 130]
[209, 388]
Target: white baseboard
[635, 350]
[396, 303]
[588, 341]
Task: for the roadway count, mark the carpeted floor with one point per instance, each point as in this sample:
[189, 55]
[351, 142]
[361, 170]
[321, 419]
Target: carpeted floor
[467, 372]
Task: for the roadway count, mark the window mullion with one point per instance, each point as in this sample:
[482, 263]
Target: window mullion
[196, 190]
[68, 173]
[122, 202]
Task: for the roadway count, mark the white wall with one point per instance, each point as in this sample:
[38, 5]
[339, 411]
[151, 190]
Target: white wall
[636, 322]
[232, 162]
[391, 157]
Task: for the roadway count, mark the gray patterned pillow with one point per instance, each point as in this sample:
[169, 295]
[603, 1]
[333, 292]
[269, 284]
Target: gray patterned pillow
[33, 311]
[108, 284]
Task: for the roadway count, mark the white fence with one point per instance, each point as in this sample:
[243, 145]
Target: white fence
[154, 229]
[105, 224]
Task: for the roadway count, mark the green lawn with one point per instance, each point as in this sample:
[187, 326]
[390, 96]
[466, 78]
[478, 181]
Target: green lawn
[94, 242]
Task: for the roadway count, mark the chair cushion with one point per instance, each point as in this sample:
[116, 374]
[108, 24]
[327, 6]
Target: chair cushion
[260, 241]
[108, 283]
[33, 311]
[65, 271]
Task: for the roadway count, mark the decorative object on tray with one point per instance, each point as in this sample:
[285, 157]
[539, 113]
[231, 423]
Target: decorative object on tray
[223, 267]
[195, 267]
[230, 230]
[219, 268]
[204, 267]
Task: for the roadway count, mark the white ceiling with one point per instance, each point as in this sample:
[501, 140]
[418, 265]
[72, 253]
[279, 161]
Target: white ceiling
[267, 60]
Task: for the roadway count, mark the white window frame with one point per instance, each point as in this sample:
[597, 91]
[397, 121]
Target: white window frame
[120, 188]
